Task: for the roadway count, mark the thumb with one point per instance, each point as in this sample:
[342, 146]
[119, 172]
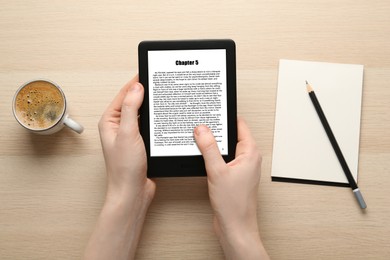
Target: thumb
[129, 111]
[208, 147]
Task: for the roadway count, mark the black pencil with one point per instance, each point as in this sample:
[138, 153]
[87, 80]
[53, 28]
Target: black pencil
[336, 147]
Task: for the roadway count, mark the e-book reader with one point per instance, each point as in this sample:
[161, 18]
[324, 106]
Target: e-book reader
[187, 83]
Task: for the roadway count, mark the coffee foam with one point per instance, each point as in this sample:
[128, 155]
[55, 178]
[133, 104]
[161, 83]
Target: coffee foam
[39, 105]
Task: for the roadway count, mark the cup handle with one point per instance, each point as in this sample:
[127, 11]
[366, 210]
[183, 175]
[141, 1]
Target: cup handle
[69, 122]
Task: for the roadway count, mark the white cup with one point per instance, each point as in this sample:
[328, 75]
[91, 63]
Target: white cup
[40, 107]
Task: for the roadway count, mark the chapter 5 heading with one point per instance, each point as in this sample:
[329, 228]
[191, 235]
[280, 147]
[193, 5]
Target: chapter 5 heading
[187, 62]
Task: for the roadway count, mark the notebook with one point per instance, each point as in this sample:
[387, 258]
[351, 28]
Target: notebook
[302, 151]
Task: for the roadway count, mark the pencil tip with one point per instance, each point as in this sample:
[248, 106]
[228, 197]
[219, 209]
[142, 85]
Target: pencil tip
[309, 88]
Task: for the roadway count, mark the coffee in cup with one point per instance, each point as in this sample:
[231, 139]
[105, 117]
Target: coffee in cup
[40, 106]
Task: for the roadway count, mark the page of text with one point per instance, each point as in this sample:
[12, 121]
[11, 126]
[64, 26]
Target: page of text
[186, 88]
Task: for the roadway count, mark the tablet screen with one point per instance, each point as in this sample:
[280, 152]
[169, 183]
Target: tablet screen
[186, 88]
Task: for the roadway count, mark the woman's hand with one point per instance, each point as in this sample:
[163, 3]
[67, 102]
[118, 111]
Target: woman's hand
[233, 193]
[129, 191]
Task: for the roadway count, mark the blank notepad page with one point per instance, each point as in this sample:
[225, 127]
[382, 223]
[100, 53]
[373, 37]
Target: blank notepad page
[302, 151]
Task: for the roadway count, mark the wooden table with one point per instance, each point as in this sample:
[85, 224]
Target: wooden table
[52, 187]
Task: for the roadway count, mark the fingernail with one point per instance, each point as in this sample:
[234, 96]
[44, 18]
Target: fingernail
[201, 129]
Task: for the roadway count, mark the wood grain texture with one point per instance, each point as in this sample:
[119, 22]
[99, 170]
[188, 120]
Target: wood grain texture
[52, 188]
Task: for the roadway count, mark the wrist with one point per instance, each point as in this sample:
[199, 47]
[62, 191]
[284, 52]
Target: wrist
[239, 237]
[244, 246]
[242, 241]
[119, 226]
[130, 190]
[130, 199]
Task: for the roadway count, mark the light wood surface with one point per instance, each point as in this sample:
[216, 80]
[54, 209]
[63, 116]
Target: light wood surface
[52, 187]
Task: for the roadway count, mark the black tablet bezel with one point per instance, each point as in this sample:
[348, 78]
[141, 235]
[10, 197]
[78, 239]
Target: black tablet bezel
[180, 166]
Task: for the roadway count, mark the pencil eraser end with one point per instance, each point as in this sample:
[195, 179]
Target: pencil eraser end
[359, 198]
